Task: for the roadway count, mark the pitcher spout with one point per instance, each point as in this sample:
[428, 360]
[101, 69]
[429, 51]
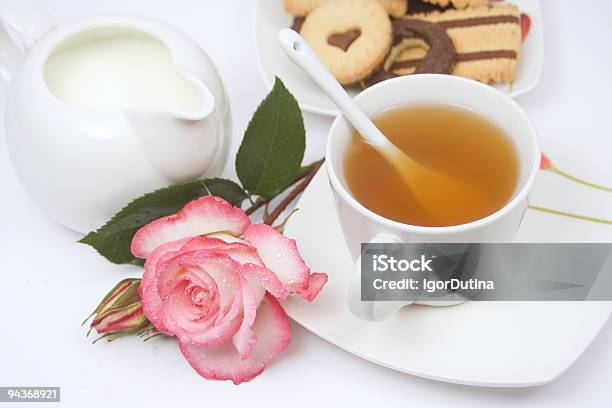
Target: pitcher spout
[205, 105]
[180, 148]
[182, 144]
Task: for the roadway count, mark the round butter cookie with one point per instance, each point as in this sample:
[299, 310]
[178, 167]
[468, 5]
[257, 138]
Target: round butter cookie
[300, 8]
[365, 53]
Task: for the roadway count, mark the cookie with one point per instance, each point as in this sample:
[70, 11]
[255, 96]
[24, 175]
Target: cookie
[366, 51]
[440, 55]
[301, 8]
[459, 4]
[395, 8]
[421, 6]
[487, 42]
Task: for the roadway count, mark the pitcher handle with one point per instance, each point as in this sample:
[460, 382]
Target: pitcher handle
[29, 22]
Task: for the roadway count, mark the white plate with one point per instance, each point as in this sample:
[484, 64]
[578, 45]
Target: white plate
[270, 17]
[498, 344]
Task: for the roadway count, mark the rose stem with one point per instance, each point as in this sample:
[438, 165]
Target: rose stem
[566, 214]
[256, 206]
[270, 218]
[304, 172]
[578, 180]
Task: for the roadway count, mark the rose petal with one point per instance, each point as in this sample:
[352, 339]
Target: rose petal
[211, 242]
[239, 250]
[202, 216]
[226, 237]
[203, 312]
[160, 251]
[180, 314]
[151, 301]
[220, 267]
[245, 338]
[206, 242]
[225, 273]
[265, 278]
[223, 362]
[315, 284]
[279, 254]
[246, 255]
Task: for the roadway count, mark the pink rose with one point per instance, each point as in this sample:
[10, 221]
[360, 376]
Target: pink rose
[212, 280]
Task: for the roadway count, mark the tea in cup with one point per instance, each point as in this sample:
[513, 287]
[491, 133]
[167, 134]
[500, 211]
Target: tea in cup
[473, 153]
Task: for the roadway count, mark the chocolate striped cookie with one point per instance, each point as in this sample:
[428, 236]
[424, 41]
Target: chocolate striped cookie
[459, 4]
[487, 41]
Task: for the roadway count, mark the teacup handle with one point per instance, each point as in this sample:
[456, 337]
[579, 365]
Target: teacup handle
[29, 21]
[372, 310]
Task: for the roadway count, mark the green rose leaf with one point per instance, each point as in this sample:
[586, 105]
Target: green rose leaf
[113, 240]
[273, 146]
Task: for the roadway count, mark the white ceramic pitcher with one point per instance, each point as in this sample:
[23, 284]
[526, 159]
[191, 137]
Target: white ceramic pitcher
[104, 109]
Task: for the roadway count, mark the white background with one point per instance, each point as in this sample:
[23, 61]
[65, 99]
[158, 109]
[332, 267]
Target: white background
[48, 283]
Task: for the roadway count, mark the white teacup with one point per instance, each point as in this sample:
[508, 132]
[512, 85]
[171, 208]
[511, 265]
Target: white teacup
[361, 225]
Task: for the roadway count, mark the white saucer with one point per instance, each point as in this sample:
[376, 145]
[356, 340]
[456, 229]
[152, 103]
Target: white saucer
[271, 17]
[497, 344]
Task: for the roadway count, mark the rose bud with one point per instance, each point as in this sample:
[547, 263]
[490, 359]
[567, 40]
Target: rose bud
[120, 312]
[123, 319]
